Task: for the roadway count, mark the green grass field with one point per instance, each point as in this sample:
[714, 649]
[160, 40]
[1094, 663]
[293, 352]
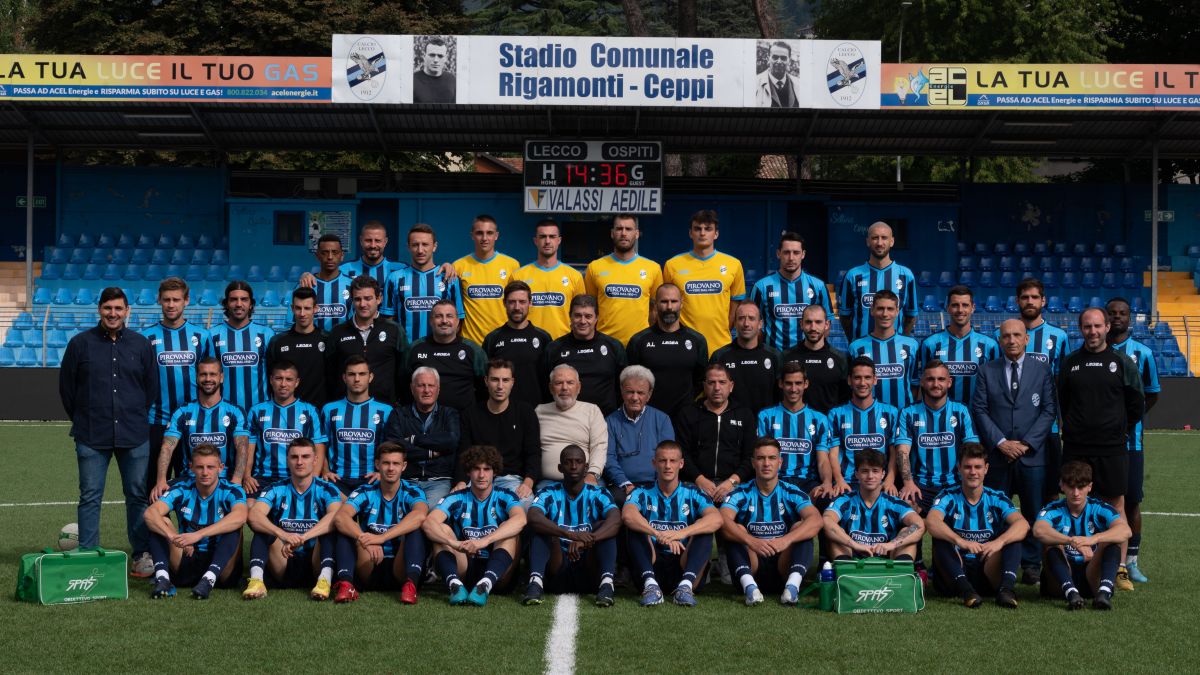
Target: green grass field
[1152, 629]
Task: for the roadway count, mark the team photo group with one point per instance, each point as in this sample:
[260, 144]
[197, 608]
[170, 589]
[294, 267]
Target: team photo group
[482, 426]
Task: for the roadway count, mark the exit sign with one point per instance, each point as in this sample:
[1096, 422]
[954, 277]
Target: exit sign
[39, 202]
[1163, 216]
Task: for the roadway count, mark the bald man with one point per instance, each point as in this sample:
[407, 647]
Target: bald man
[880, 272]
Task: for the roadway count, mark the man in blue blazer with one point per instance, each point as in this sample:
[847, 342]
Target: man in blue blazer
[1014, 407]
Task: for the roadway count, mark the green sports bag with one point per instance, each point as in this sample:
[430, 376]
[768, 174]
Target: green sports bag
[878, 586]
[64, 577]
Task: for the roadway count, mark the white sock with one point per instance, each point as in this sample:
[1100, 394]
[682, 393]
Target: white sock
[212, 578]
[455, 584]
[686, 585]
[1131, 559]
[485, 584]
[162, 574]
[794, 579]
[746, 581]
[606, 579]
[326, 574]
[256, 572]
[651, 581]
[535, 580]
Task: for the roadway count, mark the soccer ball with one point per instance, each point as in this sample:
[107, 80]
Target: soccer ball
[68, 537]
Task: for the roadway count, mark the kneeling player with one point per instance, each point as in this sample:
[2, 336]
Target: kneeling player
[381, 543]
[211, 512]
[476, 530]
[868, 522]
[575, 525]
[1078, 562]
[769, 529]
[661, 519]
[977, 535]
[293, 528]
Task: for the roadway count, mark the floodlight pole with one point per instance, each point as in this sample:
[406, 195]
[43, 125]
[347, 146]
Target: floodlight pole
[1154, 231]
[900, 59]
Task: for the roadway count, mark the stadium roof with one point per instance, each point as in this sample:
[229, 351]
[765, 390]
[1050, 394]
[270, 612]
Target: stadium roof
[232, 127]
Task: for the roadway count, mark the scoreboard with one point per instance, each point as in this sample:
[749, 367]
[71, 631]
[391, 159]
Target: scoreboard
[593, 177]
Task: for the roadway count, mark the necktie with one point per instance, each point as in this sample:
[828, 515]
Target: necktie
[1014, 379]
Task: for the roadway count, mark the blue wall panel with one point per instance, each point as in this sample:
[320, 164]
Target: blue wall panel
[12, 232]
[252, 231]
[154, 200]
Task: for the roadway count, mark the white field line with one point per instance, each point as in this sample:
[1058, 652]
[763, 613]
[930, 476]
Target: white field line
[560, 642]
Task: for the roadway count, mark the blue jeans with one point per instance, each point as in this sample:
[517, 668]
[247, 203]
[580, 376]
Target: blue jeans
[93, 469]
[435, 489]
[1028, 484]
[511, 482]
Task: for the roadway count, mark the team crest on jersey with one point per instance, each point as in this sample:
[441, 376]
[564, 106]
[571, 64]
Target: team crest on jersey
[899, 285]
[375, 418]
[1050, 343]
[537, 343]
[604, 350]
[225, 421]
[883, 521]
[195, 340]
[503, 274]
[186, 511]
[303, 419]
[853, 516]
[321, 346]
[811, 294]
[953, 421]
[1112, 367]
[724, 269]
[1036, 400]
[345, 294]
[642, 274]
[903, 353]
[441, 286]
[257, 340]
[989, 518]
[812, 430]
[687, 345]
[1134, 356]
[882, 422]
[382, 335]
[978, 352]
[462, 355]
[566, 281]
[685, 509]
[767, 364]
[829, 363]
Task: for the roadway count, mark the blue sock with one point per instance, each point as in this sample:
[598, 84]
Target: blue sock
[1135, 543]
[260, 547]
[802, 555]
[414, 555]
[539, 554]
[606, 557]
[639, 549]
[325, 548]
[1110, 559]
[1010, 561]
[950, 567]
[699, 550]
[224, 548]
[1061, 570]
[498, 563]
[347, 558]
[160, 551]
[738, 558]
[447, 567]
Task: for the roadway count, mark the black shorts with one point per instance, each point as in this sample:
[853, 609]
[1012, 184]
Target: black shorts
[348, 485]
[767, 577]
[382, 578]
[976, 576]
[1052, 587]
[1137, 476]
[806, 484]
[477, 567]
[299, 572]
[578, 576]
[668, 570]
[264, 484]
[192, 567]
[1110, 473]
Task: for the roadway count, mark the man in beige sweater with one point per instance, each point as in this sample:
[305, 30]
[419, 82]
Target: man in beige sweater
[568, 421]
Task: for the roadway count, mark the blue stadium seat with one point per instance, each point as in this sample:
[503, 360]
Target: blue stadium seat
[946, 279]
[930, 304]
[1075, 304]
[1050, 280]
[145, 241]
[1087, 264]
[91, 272]
[1001, 248]
[966, 262]
[140, 256]
[51, 271]
[1026, 263]
[987, 263]
[214, 273]
[58, 255]
[1060, 249]
[165, 242]
[195, 272]
[1109, 280]
[1011, 305]
[1054, 305]
[296, 271]
[146, 297]
[181, 257]
[57, 338]
[86, 240]
[255, 274]
[1107, 264]
[100, 256]
[1007, 264]
[1119, 250]
[133, 272]
[276, 274]
[1066, 264]
[1096, 301]
[154, 273]
[220, 257]
[28, 357]
[160, 256]
[85, 296]
[201, 256]
[185, 242]
[80, 256]
[106, 240]
[981, 248]
[176, 271]
[1079, 249]
[17, 337]
[1046, 264]
[1069, 281]
[1193, 251]
[993, 304]
[1020, 248]
[204, 241]
[120, 256]
[987, 280]
[209, 298]
[1040, 248]
[53, 357]
[924, 279]
[112, 272]
[1100, 249]
[962, 248]
[1130, 280]
[1169, 346]
[72, 271]
[1137, 305]
[64, 321]
[269, 298]
[236, 273]
[8, 358]
[967, 278]
[1008, 280]
[65, 241]
[1127, 265]
[42, 296]
[1089, 280]
[63, 296]
[126, 240]
[1162, 329]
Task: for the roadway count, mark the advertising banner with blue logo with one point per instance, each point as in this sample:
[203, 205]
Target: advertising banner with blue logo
[612, 71]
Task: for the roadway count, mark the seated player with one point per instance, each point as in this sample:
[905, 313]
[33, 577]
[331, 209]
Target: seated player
[1078, 562]
[380, 525]
[293, 528]
[476, 531]
[977, 535]
[769, 529]
[211, 512]
[574, 541]
[868, 522]
[670, 526]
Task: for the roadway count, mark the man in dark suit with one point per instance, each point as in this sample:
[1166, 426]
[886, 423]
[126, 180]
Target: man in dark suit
[1014, 406]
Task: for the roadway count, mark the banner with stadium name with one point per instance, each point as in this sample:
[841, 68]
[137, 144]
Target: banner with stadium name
[946, 86]
[58, 77]
[605, 71]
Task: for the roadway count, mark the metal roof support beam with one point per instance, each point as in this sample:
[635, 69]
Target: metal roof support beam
[808, 133]
[983, 131]
[31, 124]
[1152, 137]
[378, 130]
[204, 127]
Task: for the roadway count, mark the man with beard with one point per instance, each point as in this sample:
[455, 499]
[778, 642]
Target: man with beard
[378, 339]
[306, 346]
[1048, 344]
[622, 282]
[825, 366]
[522, 344]
[241, 346]
[676, 354]
[963, 349]
[879, 273]
[331, 284]
[783, 296]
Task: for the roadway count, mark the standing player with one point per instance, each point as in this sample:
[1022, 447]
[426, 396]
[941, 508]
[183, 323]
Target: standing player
[241, 345]
[306, 346]
[367, 334]
[1048, 344]
[825, 366]
[783, 296]
[1120, 339]
[483, 275]
[201, 549]
[676, 354]
[712, 282]
[769, 528]
[372, 243]
[354, 427]
[178, 345]
[1083, 537]
[598, 358]
[411, 291]
[959, 346]
[753, 364]
[869, 522]
[622, 282]
[879, 273]
[331, 285]
[522, 344]
[574, 525]
[862, 424]
[977, 535]
[381, 543]
[802, 434]
[293, 528]
[458, 361]
[670, 526]
[209, 420]
[476, 531]
[894, 355]
[274, 425]
[553, 284]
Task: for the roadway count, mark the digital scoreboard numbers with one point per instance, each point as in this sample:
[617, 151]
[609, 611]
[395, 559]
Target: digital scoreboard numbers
[593, 177]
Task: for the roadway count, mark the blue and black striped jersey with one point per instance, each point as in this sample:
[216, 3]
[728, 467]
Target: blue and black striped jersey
[380, 271]
[1048, 344]
[333, 301]
[298, 512]
[377, 515]
[1143, 358]
[857, 295]
[409, 296]
[273, 427]
[963, 358]
[243, 355]
[781, 302]
[676, 511]
[582, 513]
[195, 513]
[874, 524]
[934, 437]
[354, 431]
[1097, 516]
[801, 435]
[980, 522]
[473, 518]
[194, 425]
[895, 366]
[177, 351]
[767, 516]
[857, 429]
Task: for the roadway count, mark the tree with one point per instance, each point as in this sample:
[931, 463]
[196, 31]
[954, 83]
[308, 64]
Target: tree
[14, 25]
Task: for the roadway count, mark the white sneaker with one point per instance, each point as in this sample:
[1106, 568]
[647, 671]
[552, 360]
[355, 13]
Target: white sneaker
[143, 566]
